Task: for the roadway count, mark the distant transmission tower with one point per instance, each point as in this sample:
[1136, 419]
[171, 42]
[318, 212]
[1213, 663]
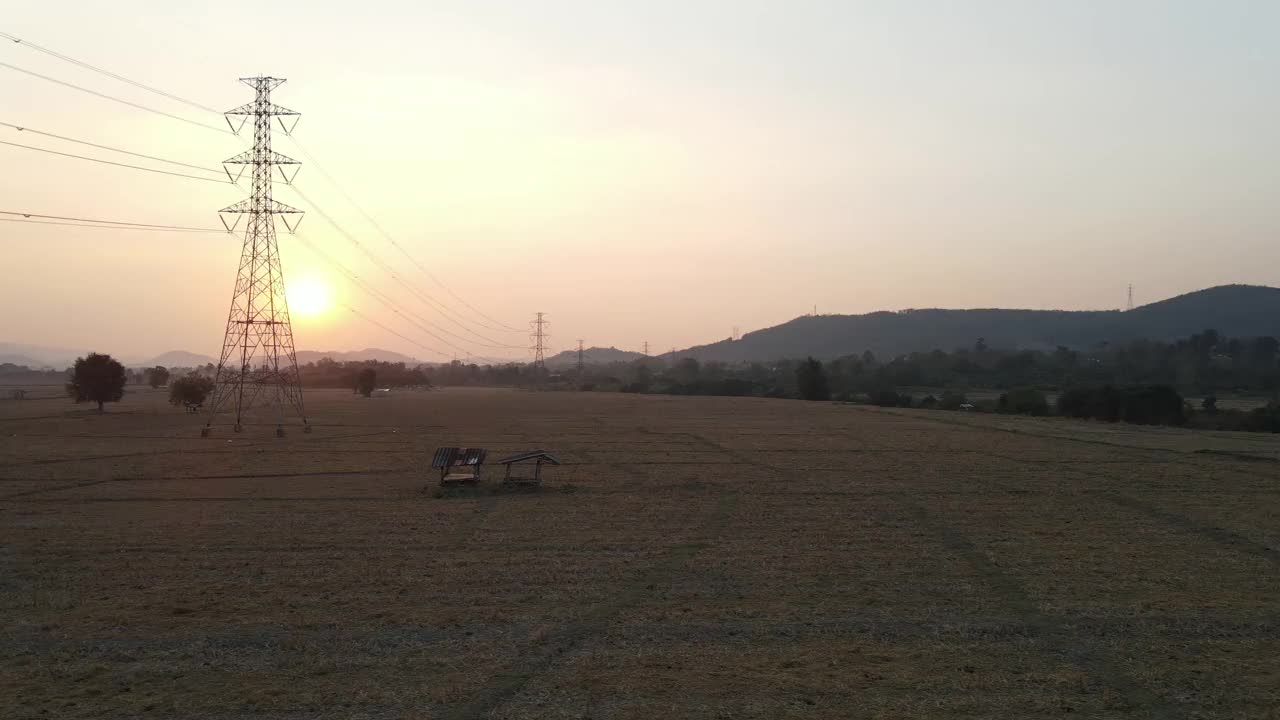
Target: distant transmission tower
[646, 347]
[581, 364]
[539, 337]
[258, 362]
[1130, 306]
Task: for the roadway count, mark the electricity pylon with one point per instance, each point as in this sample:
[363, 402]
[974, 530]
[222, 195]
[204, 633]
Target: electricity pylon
[581, 364]
[538, 334]
[258, 361]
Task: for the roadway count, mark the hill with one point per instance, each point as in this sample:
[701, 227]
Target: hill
[1234, 310]
[179, 358]
[592, 356]
[38, 356]
[310, 356]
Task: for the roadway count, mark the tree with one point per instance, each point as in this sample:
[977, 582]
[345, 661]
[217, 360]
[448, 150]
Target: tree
[366, 381]
[686, 371]
[96, 378]
[193, 389]
[157, 376]
[812, 380]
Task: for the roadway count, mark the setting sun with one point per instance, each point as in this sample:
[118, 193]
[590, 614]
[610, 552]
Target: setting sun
[309, 297]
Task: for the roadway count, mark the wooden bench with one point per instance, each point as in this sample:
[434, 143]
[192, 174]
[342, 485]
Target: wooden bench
[467, 460]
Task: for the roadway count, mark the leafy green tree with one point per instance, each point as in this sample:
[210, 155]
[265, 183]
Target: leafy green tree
[812, 380]
[366, 381]
[157, 376]
[193, 389]
[97, 378]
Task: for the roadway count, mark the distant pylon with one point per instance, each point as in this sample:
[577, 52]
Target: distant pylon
[581, 364]
[1130, 305]
[646, 347]
[736, 335]
[257, 347]
[538, 335]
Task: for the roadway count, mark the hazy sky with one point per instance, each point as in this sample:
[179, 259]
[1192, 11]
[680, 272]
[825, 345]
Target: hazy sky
[653, 170]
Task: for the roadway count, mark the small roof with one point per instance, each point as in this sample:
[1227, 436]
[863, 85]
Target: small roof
[530, 455]
[447, 457]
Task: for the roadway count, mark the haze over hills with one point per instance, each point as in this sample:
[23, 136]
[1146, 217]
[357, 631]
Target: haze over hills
[310, 356]
[180, 358]
[1234, 310]
[36, 356]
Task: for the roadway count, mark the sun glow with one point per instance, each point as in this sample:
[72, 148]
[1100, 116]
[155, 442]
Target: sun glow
[309, 297]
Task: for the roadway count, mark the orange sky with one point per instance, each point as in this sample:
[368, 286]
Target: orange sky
[653, 171]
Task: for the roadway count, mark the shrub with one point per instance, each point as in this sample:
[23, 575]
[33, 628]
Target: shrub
[887, 398]
[1023, 401]
[1143, 405]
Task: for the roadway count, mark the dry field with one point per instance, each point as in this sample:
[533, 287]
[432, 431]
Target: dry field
[693, 558]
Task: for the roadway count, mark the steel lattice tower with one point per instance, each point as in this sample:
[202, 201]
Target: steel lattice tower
[538, 334]
[258, 362]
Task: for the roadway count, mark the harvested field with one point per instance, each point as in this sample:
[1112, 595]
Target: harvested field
[692, 558]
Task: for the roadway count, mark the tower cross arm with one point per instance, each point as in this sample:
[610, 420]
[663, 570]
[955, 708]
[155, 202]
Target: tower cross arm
[249, 158]
[248, 206]
[265, 109]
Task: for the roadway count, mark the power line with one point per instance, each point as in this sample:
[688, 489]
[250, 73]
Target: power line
[443, 308]
[108, 73]
[23, 128]
[503, 326]
[425, 299]
[149, 226]
[115, 99]
[407, 339]
[110, 162]
[378, 295]
[103, 227]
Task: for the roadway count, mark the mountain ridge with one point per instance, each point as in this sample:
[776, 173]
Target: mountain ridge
[1233, 310]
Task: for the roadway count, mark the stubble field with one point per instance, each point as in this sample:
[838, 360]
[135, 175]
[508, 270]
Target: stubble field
[693, 558]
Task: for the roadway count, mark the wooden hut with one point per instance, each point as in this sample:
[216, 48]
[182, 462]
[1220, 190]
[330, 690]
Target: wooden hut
[537, 457]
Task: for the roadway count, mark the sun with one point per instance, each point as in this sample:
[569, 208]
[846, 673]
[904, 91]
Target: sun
[309, 297]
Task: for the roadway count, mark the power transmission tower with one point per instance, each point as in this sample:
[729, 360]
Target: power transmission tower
[581, 365]
[1130, 305]
[646, 348]
[258, 360]
[539, 337]
[735, 335]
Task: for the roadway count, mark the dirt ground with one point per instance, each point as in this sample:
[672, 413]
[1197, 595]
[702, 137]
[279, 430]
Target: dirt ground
[692, 558]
